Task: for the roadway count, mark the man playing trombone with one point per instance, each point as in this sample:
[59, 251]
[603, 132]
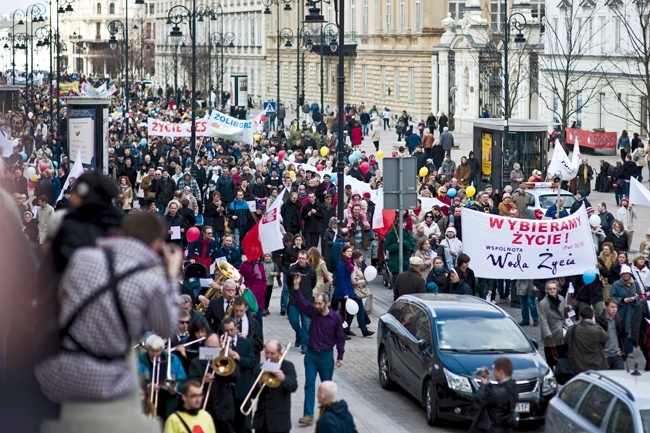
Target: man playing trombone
[163, 378]
[273, 404]
[221, 395]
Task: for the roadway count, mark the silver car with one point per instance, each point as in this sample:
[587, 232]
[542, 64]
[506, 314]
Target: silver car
[612, 401]
[542, 198]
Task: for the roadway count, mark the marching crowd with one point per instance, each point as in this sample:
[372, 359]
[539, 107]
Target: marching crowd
[118, 233]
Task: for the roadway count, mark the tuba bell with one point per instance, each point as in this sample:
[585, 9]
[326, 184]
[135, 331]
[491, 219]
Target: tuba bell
[223, 271]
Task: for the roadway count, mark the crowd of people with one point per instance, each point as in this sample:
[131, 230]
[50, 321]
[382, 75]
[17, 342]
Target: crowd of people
[142, 218]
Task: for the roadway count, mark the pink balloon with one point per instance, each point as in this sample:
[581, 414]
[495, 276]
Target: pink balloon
[281, 154]
[193, 234]
[319, 167]
[364, 167]
[43, 168]
[31, 185]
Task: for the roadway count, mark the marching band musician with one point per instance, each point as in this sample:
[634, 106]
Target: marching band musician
[247, 327]
[221, 401]
[242, 353]
[182, 336]
[190, 418]
[273, 413]
[221, 307]
[167, 398]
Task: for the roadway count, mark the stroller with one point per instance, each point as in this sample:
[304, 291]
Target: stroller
[382, 265]
[192, 273]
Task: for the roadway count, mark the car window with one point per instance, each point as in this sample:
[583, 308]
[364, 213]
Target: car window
[489, 334]
[397, 311]
[546, 201]
[572, 392]
[594, 406]
[420, 326]
[645, 420]
[531, 199]
[621, 420]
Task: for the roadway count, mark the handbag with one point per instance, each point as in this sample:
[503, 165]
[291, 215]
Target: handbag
[361, 290]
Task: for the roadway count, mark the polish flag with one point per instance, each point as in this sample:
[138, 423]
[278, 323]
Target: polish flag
[266, 235]
[383, 219]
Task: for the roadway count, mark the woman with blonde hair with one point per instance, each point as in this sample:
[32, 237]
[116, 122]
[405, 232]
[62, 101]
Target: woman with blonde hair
[607, 267]
[323, 275]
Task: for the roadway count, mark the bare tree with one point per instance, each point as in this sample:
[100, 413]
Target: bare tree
[566, 76]
[632, 66]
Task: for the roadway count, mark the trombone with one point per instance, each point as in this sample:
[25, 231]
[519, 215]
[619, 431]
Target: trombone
[266, 378]
[153, 392]
[169, 383]
[223, 365]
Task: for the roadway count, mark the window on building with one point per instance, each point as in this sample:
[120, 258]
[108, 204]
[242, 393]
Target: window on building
[397, 86]
[364, 80]
[644, 115]
[402, 16]
[99, 8]
[253, 37]
[98, 30]
[259, 82]
[378, 20]
[411, 84]
[418, 18]
[538, 10]
[590, 33]
[496, 16]
[147, 31]
[352, 79]
[389, 15]
[152, 8]
[329, 79]
[579, 108]
[456, 9]
[617, 34]
[111, 9]
[364, 18]
[353, 15]
[383, 82]
[601, 110]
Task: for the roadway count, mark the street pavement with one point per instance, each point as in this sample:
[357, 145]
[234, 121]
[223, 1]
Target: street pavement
[374, 409]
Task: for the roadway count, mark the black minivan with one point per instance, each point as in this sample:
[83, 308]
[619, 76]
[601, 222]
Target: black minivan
[432, 344]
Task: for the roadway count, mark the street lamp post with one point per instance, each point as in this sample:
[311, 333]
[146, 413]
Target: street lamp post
[45, 35]
[33, 14]
[315, 18]
[278, 35]
[516, 21]
[115, 27]
[60, 10]
[211, 12]
[180, 44]
[223, 40]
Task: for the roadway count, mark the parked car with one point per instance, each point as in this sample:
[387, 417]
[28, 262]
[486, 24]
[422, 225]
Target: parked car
[542, 196]
[432, 344]
[602, 401]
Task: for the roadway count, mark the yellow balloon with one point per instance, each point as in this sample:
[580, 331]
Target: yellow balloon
[292, 174]
[380, 154]
[34, 178]
[424, 171]
[470, 191]
[324, 151]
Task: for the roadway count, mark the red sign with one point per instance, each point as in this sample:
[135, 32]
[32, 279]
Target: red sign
[592, 139]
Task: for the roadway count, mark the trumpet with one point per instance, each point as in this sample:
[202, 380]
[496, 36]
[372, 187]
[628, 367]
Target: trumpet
[223, 365]
[266, 378]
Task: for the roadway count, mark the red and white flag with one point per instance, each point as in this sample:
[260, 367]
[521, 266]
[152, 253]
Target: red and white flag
[266, 235]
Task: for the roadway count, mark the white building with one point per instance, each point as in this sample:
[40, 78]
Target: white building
[608, 89]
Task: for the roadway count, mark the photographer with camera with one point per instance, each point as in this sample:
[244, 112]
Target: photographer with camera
[496, 402]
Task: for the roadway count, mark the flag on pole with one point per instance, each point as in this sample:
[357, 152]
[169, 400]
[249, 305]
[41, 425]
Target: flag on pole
[6, 146]
[266, 235]
[76, 171]
[576, 158]
[560, 163]
[639, 194]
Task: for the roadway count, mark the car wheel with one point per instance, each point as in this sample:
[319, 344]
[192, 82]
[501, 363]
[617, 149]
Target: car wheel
[430, 402]
[384, 370]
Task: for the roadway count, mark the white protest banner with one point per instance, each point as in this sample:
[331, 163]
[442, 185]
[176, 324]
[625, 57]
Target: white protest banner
[226, 127]
[639, 194]
[513, 248]
[560, 163]
[169, 129]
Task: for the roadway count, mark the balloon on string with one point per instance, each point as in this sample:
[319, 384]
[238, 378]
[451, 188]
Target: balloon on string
[470, 191]
[364, 167]
[333, 177]
[24, 155]
[351, 307]
[357, 154]
[56, 164]
[292, 174]
[451, 192]
[42, 168]
[30, 172]
[370, 273]
[281, 154]
[351, 158]
[424, 171]
[380, 154]
[34, 178]
[594, 220]
[31, 185]
[193, 234]
[394, 154]
[319, 167]
[589, 276]
[324, 151]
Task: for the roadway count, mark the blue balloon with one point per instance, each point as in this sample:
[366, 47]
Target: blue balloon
[589, 276]
[333, 177]
[56, 164]
[24, 155]
[357, 154]
[351, 158]
[451, 192]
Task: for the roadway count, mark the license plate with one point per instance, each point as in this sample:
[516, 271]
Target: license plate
[522, 407]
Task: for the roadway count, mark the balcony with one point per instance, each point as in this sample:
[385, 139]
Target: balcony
[329, 44]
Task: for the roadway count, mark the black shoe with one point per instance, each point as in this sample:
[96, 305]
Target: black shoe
[303, 351]
[368, 334]
[298, 343]
[350, 333]
[347, 338]
[524, 324]
[283, 312]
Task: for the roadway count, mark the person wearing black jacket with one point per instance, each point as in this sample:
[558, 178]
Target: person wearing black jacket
[273, 413]
[312, 215]
[335, 417]
[175, 219]
[497, 402]
[258, 188]
[612, 323]
[165, 188]
[291, 214]
[221, 401]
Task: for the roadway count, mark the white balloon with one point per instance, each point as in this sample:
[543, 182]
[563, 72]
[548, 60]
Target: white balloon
[594, 220]
[30, 172]
[370, 273]
[352, 307]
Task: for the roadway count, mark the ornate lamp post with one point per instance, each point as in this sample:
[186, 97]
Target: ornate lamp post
[279, 34]
[516, 21]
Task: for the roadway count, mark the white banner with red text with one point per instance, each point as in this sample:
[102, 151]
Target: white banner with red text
[215, 125]
[513, 248]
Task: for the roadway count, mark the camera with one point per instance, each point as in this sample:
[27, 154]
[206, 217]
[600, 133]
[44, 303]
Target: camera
[482, 372]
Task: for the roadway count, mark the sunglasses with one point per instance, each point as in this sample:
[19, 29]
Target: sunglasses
[183, 322]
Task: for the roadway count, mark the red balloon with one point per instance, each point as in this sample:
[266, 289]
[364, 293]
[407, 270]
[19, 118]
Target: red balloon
[319, 167]
[364, 167]
[281, 154]
[394, 154]
[31, 185]
[193, 234]
[43, 168]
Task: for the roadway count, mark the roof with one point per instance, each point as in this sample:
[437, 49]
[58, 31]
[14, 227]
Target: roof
[637, 385]
[515, 125]
[449, 305]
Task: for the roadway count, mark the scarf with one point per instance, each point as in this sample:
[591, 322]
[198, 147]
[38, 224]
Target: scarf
[555, 300]
[350, 264]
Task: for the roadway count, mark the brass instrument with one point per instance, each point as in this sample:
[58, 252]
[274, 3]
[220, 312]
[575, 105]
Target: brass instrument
[222, 272]
[223, 365]
[152, 403]
[169, 383]
[189, 343]
[266, 378]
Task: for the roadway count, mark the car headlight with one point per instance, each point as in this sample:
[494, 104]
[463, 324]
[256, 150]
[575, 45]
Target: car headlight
[549, 384]
[457, 382]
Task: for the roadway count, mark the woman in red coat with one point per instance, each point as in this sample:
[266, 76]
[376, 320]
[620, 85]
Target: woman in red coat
[356, 134]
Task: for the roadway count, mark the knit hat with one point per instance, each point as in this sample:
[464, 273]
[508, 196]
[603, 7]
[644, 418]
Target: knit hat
[625, 269]
[450, 229]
